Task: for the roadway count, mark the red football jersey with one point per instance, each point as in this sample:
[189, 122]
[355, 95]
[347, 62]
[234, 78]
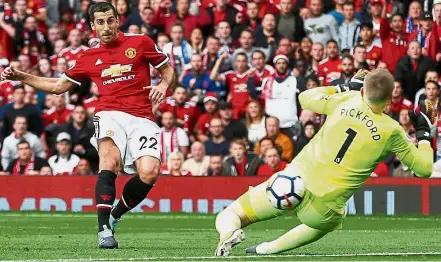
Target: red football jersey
[395, 107]
[71, 54]
[54, 116]
[203, 124]
[6, 90]
[188, 112]
[373, 55]
[329, 70]
[237, 85]
[36, 7]
[121, 70]
[267, 71]
[90, 103]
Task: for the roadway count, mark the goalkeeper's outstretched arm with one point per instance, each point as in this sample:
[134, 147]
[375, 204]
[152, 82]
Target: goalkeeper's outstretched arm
[320, 99]
[418, 159]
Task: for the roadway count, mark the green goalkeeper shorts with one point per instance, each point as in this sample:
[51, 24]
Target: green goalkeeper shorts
[313, 213]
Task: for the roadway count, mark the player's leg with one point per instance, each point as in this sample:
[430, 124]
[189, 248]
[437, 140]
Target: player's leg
[144, 151]
[251, 207]
[318, 220]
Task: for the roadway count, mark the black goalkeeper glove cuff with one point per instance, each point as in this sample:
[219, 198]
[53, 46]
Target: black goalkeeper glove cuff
[423, 120]
[356, 82]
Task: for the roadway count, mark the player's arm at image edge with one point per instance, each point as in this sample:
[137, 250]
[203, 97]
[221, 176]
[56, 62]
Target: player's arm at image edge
[320, 99]
[48, 84]
[418, 159]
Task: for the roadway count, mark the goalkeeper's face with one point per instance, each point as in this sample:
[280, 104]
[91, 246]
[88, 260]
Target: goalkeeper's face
[106, 26]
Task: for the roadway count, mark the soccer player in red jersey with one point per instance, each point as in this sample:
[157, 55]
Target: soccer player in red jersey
[329, 69]
[125, 130]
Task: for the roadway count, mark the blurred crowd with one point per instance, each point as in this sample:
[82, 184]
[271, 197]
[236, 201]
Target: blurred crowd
[241, 65]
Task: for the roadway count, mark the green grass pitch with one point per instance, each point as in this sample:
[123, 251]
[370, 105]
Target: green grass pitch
[69, 236]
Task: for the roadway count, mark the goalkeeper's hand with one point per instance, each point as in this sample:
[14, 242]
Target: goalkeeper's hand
[423, 120]
[356, 82]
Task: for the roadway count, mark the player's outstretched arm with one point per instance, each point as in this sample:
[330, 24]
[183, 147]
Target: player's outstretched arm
[168, 80]
[319, 100]
[46, 84]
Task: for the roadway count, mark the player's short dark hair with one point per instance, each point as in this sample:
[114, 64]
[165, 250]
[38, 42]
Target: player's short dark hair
[101, 7]
[431, 82]
[23, 142]
[331, 41]
[259, 52]
[378, 86]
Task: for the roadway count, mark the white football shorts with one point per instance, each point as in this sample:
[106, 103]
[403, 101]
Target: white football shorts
[134, 136]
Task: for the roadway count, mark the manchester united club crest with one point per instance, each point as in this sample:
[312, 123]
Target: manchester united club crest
[130, 52]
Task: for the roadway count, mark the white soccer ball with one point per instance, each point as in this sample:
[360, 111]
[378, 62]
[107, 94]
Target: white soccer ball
[285, 192]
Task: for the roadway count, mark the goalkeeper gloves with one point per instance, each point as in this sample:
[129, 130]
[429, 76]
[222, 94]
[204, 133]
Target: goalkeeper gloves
[355, 83]
[423, 120]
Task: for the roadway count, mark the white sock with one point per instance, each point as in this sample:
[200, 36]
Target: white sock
[227, 222]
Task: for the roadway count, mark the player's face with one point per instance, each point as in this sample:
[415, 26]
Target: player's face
[63, 148]
[241, 63]
[272, 127]
[348, 12]
[24, 151]
[258, 61]
[106, 26]
[431, 91]
[272, 158]
[210, 106]
[246, 40]
[366, 34]
[237, 151]
[252, 10]
[397, 24]
[332, 50]
[398, 90]
[196, 62]
[317, 52]
[281, 66]
[180, 95]
[176, 34]
[404, 117]
[309, 131]
[20, 125]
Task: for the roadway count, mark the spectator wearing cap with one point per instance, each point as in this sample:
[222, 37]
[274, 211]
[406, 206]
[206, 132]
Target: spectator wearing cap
[190, 21]
[266, 33]
[411, 70]
[9, 148]
[19, 108]
[359, 54]
[281, 91]
[413, 22]
[255, 122]
[240, 163]
[211, 112]
[232, 128]
[173, 138]
[393, 40]
[373, 48]
[198, 164]
[63, 162]
[197, 81]
[347, 71]
[216, 143]
[348, 31]
[282, 141]
[320, 27]
[289, 24]
[186, 112]
[26, 163]
[398, 102]
[428, 37]
[329, 68]
[272, 164]
[179, 50]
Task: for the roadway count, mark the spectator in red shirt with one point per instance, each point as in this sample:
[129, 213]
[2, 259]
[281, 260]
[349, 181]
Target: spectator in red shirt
[223, 11]
[75, 48]
[67, 22]
[160, 18]
[373, 51]
[398, 102]
[428, 37]
[60, 113]
[186, 112]
[272, 164]
[240, 163]
[329, 68]
[258, 72]
[203, 123]
[394, 41]
[266, 7]
[252, 21]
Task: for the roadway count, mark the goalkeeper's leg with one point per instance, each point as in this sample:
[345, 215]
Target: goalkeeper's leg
[251, 207]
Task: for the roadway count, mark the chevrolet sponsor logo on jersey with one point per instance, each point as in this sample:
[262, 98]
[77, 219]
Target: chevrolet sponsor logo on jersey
[115, 71]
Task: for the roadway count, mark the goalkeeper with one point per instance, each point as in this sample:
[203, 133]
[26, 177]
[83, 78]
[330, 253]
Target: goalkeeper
[355, 137]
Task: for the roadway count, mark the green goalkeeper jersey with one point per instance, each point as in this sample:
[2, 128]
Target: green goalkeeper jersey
[348, 147]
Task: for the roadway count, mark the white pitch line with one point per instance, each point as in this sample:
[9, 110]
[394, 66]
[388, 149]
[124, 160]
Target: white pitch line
[379, 254]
